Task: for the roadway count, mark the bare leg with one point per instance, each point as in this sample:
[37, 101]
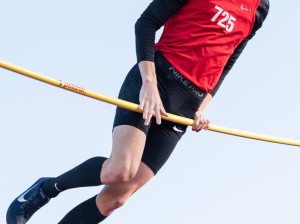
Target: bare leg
[113, 197]
[124, 161]
[123, 173]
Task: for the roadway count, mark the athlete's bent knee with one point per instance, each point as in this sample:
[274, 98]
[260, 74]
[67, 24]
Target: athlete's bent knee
[119, 202]
[112, 205]
[120, 176]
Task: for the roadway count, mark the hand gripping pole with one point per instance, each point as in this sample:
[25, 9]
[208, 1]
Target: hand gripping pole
[135, 107]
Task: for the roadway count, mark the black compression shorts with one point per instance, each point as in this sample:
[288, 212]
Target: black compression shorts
[179, 96]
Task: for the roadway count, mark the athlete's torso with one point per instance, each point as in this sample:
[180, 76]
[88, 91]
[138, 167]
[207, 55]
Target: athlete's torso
[200, 38]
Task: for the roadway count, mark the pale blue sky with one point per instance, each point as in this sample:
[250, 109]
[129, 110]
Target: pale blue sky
[211, 178]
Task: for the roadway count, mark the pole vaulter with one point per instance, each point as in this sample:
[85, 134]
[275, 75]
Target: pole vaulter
[135, 107]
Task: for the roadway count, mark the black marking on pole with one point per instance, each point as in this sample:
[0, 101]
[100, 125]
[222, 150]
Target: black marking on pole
[60, 84]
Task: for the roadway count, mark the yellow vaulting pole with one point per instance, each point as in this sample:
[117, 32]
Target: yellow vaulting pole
[135, 107]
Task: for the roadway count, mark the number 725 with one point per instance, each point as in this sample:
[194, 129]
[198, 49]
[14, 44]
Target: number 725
[227, 17]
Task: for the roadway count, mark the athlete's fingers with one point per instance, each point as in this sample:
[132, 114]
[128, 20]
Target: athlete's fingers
[201, 124]
[163, 111]
[207, 125]
[145, 110]
[142, 104]
[196, 123]
[200, 127]
[149, 113]
[204, 125]
[157, 114]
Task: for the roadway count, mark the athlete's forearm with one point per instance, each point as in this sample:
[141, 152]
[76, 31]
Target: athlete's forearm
[147, 70]
[203, 105]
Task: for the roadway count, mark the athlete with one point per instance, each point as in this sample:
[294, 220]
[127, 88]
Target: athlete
[201, 41]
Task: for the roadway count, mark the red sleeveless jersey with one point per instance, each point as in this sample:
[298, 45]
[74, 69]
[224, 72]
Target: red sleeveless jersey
[200, 38]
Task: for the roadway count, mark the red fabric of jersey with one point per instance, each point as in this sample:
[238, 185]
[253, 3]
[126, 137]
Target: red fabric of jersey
[200, 38]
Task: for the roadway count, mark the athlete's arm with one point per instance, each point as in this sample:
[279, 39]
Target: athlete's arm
[149, 96]
[153, 18]
[261, 14]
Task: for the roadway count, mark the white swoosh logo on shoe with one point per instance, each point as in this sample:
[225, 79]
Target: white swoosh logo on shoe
[176, 129]
[55, 185]
[21, 197]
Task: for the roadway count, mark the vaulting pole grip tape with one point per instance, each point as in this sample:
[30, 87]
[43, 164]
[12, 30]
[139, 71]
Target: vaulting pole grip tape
[135, 107]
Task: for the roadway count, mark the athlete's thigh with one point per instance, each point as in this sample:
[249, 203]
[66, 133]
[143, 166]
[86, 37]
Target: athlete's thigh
[128, 145]
[127, 150]
[112, 194]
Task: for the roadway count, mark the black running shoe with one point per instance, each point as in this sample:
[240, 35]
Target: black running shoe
[24, 206]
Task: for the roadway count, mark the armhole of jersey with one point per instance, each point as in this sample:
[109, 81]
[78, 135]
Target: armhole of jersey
[254, 18]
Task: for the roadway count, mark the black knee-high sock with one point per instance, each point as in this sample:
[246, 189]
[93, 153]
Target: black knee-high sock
[84, 213]
[84, 175]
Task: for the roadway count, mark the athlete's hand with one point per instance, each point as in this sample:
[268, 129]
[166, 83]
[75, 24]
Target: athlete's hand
[200, 122]
[149, 96]
[150, 101]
